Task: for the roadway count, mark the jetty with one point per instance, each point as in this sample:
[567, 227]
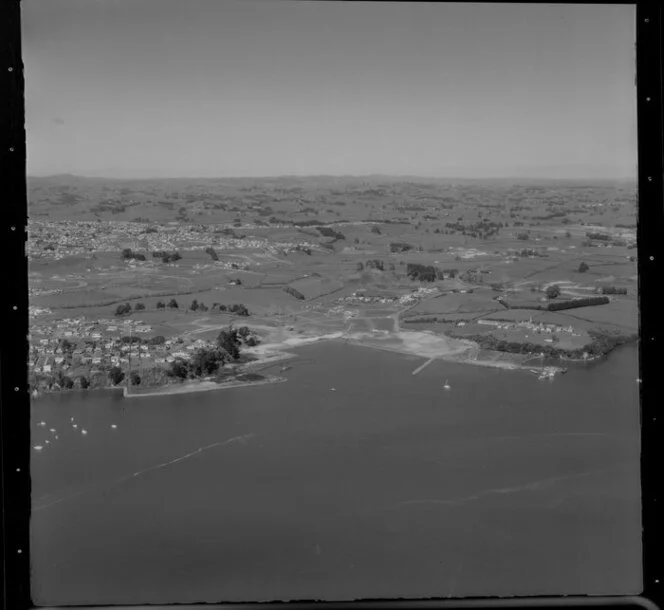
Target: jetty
[423, 366]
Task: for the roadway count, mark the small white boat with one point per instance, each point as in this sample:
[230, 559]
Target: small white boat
[333, 389]
[52, 430]
[84, 431]
[48, 442]
[75, 426]
[113, 426]
[37, 447]
[71, 419]
[41, 423]
[446, 385]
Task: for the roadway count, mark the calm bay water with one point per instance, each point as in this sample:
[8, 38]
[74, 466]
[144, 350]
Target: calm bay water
[387, 487]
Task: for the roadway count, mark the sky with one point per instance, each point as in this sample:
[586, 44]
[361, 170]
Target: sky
[219, 88]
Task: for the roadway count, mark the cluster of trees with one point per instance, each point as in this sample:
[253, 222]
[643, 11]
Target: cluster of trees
[208, 361]
[128, 254]
[196, 306]
[531, 252]
[375, 263]
[116, 375]
[305, 249]
[560, 305]
[293, 292]
[553, 292]
[167, 257]
[376, 230]
[423, 273]
[328, 232]
[585, 302]
[172, 304]
[598, 236]
[612, 290]
[400, 247]
[523, 236]
[212, 252]
[602, 343]
[583, 267]
[123, 310]
[238, 309]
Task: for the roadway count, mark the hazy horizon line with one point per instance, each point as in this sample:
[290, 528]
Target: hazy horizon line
[324, 175]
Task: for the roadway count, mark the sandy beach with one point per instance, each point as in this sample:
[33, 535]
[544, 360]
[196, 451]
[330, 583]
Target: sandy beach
[423, 344]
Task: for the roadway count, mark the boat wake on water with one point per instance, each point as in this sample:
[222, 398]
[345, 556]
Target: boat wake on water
[45, 502]
[533, 486]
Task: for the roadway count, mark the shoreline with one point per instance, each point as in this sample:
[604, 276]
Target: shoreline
[272, 353]
[203, 386]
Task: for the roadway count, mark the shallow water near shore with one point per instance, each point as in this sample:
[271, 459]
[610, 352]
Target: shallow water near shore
[389, 486]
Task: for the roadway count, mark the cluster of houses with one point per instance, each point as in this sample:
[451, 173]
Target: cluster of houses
[98, 346]
[417, 295]
[539, 328]
[34, 311]
[468, 253]
[42, 292]
[59, 239]
[358, 297]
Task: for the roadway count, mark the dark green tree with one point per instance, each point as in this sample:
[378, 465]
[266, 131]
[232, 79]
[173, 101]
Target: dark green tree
[116, 375]
[553, 292]
[179, 369]
[122, 310]
[207, 361]
[229, 341]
